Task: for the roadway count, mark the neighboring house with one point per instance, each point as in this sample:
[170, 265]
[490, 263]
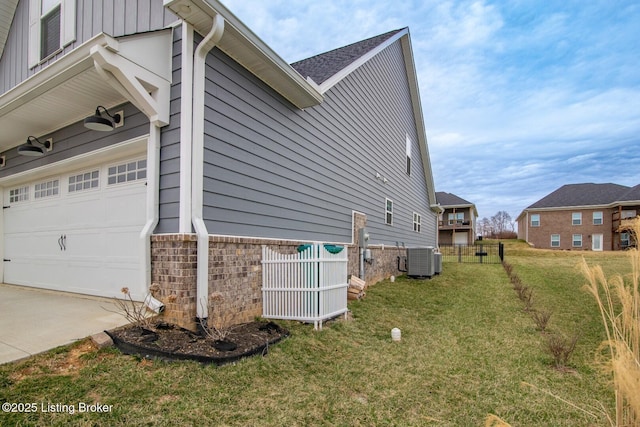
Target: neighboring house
[581, 217]
[220, 147]
[457, 222]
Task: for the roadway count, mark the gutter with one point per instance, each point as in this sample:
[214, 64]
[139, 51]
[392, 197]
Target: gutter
[197, 164]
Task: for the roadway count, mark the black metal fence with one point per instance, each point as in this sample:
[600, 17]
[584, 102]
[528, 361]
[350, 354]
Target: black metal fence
[479, 253]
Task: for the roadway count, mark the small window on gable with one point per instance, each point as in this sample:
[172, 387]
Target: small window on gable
[535, 220]
[52, 26]
[50, 31]
[597, 218]
[408, 151]
[417, 222]
[388, 212]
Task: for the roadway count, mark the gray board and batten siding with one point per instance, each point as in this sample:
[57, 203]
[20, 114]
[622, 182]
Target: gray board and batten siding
[274, 171]
[113, 17]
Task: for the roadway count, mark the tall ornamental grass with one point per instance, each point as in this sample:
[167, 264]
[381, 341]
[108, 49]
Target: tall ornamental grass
[619, 300]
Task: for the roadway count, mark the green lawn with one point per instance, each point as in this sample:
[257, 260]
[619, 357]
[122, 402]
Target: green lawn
[468, 350]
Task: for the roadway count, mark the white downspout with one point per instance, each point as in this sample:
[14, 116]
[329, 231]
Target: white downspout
[186, 128]
[153, 196]
[197, 171]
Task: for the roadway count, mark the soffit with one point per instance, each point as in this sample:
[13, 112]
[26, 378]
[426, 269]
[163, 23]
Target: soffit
[63, 93]
[71, 88]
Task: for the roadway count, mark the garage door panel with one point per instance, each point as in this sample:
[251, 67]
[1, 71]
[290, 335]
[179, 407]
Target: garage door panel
[32, 245]
[35, 271]
[119, 206]
[78, 240]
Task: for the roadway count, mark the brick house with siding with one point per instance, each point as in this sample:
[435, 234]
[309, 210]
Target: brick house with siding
[457, 222]
[221, 147]
[581, 217]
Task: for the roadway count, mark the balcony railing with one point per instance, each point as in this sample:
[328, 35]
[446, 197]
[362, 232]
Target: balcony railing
[454, 224]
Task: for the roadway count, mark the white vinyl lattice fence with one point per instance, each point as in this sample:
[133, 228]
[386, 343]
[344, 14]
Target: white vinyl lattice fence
[309, 286]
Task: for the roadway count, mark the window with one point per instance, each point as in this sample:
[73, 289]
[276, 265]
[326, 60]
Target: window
[555, 240]
[52, 26]
[576, 218]
[84, 181]
[389, 212]
[597, 218]
[456, 218]
[408, 151]
[127, 172]
[535, 220]
[625, 242]
[628, 214]
[577, 240]
[417, 222]
[49, 31]
[20, 194]
[47, 189]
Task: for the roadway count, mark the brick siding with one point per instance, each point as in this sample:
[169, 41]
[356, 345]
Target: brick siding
[235, 272]
[560, 222]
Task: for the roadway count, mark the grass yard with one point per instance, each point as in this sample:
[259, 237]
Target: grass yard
[468, 350]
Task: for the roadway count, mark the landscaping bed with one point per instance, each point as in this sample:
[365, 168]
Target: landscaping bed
[170, 342]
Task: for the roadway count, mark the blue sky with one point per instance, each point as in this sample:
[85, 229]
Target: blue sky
[519, 96]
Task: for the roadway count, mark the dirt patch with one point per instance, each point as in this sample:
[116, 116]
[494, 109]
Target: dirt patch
[170, 342]
[69, 363]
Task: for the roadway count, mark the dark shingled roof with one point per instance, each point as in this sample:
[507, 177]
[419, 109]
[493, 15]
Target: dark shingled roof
[448, 199]
[582, 195]
[321, 67]
[632, 195]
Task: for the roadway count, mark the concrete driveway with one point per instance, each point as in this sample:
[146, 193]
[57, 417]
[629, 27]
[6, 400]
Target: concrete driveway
[34, 320]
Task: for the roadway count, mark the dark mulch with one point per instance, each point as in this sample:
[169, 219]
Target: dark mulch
[170, 342]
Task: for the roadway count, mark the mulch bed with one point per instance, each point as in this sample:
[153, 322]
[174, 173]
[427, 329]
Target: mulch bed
[170, 342]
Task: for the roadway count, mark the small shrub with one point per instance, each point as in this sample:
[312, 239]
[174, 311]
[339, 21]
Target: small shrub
[561, 348]
[507, 267]
[136, 313]
[541, 317]
[218, 325]
[524, 292]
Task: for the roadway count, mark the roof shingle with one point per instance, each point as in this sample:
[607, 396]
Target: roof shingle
[448, 199]
[321, 67]
[587, 194]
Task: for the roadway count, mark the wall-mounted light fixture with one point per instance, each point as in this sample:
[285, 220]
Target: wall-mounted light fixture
[34, 148]
[100, 123]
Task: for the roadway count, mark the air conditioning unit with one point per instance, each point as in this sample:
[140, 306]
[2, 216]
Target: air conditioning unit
[420, 262]
[437, 260]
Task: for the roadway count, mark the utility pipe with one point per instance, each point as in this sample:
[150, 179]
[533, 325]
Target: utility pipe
[197, 169]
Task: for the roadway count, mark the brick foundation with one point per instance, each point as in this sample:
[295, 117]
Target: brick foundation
[235, 273]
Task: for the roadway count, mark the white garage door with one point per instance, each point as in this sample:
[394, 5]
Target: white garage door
[79, 231]
[461, 239]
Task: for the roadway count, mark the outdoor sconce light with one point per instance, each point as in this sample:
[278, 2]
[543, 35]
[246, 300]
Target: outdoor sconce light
[37, 150]
[100, 123]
